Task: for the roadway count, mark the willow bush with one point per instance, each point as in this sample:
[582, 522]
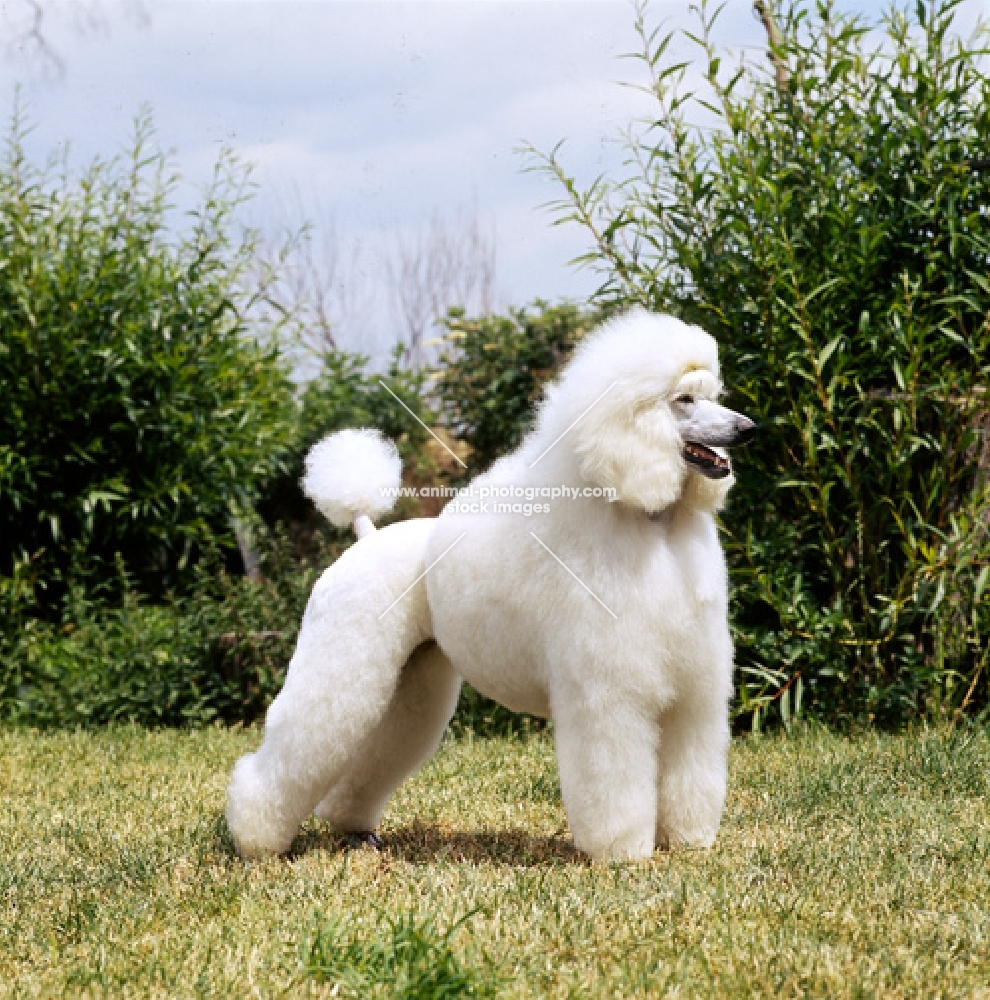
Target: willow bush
[142, 405]
[217, 653]
[825, 213]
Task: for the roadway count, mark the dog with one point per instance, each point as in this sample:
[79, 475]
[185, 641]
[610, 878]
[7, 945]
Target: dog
[580, 579]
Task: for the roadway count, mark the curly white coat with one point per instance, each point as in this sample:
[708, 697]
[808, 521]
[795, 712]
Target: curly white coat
[608, 617]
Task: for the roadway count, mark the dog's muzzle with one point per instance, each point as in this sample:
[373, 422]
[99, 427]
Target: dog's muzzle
[710, 463]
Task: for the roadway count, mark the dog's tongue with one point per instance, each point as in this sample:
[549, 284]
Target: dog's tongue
[704, 456]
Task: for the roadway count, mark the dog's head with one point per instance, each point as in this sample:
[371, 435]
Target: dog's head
[642, 394]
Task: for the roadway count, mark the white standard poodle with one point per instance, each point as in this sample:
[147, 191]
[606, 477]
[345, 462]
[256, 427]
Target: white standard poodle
[580, 579]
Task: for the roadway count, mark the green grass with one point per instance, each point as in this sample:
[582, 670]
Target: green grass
[845, 868]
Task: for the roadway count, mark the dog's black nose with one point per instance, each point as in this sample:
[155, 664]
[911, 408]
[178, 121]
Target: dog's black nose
[745, 429]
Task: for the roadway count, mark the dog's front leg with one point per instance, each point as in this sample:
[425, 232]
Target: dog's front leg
[694, 740]
[607, 758]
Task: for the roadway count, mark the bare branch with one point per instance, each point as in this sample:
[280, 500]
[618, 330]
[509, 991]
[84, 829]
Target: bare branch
[765, 14]
[448, 263]
[321, 283]
[27, 26]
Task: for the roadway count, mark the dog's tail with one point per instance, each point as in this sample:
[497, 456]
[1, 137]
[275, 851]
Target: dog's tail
[353, 477]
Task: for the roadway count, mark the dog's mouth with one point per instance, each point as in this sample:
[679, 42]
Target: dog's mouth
[706, 461]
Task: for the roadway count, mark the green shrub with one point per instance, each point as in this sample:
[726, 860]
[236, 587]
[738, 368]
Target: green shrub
[346, 394]
[217, 654]
[141, 405]
[832, 230]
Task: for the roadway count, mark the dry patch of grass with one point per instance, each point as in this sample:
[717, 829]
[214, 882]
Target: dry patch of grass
[845, 868]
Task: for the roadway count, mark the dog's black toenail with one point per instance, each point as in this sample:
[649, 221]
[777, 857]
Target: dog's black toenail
[366, 838]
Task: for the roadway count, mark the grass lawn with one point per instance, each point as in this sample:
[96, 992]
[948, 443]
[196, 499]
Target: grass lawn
[844, 868]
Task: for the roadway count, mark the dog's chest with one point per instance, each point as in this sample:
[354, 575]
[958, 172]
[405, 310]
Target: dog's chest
[671, 611]
[690, 567]
[514, 611]
[674, 594]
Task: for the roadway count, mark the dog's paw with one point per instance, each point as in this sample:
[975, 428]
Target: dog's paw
[686, 840]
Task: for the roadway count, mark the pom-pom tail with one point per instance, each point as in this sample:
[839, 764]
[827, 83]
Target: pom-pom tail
[353, 477]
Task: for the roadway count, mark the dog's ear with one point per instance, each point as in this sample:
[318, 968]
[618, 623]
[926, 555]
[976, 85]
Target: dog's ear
[633, 448]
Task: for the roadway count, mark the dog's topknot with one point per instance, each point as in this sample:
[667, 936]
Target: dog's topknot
[352, 473]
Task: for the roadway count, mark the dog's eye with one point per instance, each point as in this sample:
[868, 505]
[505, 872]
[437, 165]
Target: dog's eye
[686, 399]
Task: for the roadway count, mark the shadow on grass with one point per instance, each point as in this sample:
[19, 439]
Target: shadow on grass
[427, 843]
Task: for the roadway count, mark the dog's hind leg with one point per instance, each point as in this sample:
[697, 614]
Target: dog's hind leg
[366, 616]
[407, 736]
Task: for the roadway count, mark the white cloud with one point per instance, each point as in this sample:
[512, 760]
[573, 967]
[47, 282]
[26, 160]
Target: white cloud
[379, 112]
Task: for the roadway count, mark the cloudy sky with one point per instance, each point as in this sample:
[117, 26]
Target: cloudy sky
[369, 117]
